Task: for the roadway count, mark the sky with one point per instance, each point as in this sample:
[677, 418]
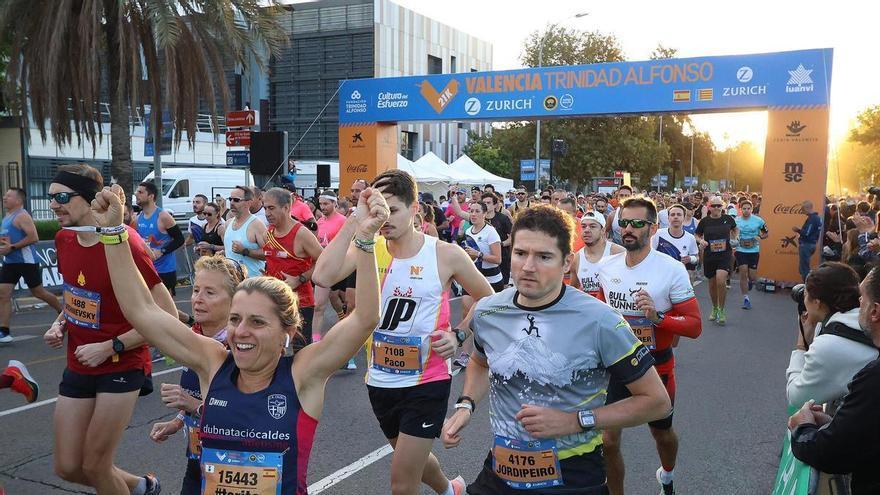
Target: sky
[696, 28]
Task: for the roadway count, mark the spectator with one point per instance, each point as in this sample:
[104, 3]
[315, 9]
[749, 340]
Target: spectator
[821, 367]
[809, 236]
[850, 441]
[212, 236]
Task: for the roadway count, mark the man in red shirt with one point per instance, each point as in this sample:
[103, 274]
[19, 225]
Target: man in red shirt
[107, 361]
[291, 251]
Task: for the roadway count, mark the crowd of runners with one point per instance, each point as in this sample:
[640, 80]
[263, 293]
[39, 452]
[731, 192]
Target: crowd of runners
[572, 307]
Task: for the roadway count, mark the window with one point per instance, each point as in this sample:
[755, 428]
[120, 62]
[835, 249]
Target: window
[435, 65]
[408, 142]
[452, 66]
[181, 189]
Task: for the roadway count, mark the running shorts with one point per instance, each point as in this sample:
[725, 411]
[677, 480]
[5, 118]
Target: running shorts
[712, 265]
[169, 280]
[618, 391]
[10, 273]
[80, 386]
[418, 411]
[583, 475]
[748, 259]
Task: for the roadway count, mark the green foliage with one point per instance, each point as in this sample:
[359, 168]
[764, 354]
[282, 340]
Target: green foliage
[490, 157]
[746, 166]
[867, 133]
[47, 229]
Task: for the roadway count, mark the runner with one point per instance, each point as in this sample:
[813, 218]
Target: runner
[410, 395]
[17, 378]
[677, 242]
[585, 264]
[18, 234]
[162, 234]
[212, 237]
[243, 237]
[653, 293]
[612, 227]
[716, 233]
[328, 226]
[256, 205]
[261, 405]
[751, 229]
[213, 288]
[522, 202]
[197, 222]
[502, 224]
[107, 363]
[291, 252]
[544, 353]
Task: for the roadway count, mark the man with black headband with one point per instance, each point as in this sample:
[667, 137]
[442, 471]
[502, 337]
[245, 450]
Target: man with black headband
[157, 226]
[107, 361]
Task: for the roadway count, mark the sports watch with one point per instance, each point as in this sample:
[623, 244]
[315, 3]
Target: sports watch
[118, 346]
[303, 279]
[586, 419]
[460, 335]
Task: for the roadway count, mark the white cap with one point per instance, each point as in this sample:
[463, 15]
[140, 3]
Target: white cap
[594, 216]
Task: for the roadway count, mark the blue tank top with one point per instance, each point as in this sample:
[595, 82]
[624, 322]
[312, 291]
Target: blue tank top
[26, 254]
[189, 382]
[148, 228]
[254, 266]
[253, 442]
[691, 228]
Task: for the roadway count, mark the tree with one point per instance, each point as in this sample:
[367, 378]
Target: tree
[492, 158]
[67, 57]
[746, 166]
[867, 133]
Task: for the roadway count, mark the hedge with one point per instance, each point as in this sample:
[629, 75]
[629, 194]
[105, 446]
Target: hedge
[47, 229]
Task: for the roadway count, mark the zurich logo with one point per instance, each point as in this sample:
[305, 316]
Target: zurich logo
[744, 74]
[356, 95]
[277, 405]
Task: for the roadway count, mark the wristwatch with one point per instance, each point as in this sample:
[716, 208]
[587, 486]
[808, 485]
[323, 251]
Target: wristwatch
[464, 399]
[118, 346]
[460, 335]
[660, 317]
[586, 419]
[303, 279]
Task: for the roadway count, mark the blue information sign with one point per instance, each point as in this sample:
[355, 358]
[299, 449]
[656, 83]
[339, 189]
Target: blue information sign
[167, 134]
[527, 169]
[238, 158]
[690, 181]
[690, 85]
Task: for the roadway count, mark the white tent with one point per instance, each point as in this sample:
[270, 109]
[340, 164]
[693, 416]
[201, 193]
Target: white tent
[430, 163]
[465, 165]
[428, 180]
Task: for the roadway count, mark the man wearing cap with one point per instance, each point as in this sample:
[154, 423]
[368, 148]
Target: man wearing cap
[585, 265]
[521, 203]
[329, 225]
[476, 193]
[454, 213]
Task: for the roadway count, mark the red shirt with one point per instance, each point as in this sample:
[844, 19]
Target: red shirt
[90, 306]
[280, 258]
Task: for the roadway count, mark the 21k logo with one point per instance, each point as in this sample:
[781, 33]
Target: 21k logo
[439, 100]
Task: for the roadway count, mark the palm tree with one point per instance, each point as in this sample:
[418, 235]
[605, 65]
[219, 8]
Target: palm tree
[66, 56]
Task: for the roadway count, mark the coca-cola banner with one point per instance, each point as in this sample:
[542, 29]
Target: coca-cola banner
[365, 150]
[795, 170]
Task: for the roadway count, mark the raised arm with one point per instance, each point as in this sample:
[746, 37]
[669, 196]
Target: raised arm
[159, 328]
[342, 253]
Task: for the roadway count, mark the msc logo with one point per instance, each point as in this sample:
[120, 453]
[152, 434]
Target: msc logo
[416, 271]
[794, 172]
[795, 128]
[398, 310]
[550, 103]
[439, 99]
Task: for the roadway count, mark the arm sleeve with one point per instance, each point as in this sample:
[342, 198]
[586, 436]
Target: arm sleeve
[176, 239]
[850, 441]
[683, 318]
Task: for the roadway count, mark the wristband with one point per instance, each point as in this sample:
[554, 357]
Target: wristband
[113, 239]
[180, 416]
[365, 246]
[465, 398]
[465, 405]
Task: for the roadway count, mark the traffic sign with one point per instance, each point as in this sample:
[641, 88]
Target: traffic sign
[690, 181]
[664, 180]
[241, 118]
[166, 137]
[238, 138]
[527, 169]
[238, 158]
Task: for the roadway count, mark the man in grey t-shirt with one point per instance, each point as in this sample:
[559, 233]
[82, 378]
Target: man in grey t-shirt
[544, 354]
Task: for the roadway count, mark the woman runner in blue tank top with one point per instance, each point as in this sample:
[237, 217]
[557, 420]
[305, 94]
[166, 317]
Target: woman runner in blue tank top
[214, 286]
[261, 406]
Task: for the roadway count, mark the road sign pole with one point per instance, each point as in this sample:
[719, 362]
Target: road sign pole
[157, 155]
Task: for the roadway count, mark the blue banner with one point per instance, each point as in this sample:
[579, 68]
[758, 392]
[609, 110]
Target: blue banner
[689, 85]
[527, 169]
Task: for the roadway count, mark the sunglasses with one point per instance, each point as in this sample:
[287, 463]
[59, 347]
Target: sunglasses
[716, 206]
[62, 198]
[235, 200]
[636, 223]
[209, 214]
[520, 194]
[545, 197]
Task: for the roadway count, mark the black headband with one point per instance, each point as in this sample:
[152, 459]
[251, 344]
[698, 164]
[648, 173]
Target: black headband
[87, 187]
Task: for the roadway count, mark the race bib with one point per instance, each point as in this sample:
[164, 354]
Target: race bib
[527, 465]
[82, 307]
[229, 471]
[747, 243]
[718, 245]
[643, 329]
[194, 445]
[398, 355]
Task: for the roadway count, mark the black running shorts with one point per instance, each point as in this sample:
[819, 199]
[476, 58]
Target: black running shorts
[418, 411]
[80, 386]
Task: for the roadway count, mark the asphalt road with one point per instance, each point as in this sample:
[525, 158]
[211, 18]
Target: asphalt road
[730, 416]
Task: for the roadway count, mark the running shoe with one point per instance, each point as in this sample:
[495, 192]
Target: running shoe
[351, 365]
[722, 317]
[747, 304]
[714, 315]
[458, 485]
[22, 382]
[5, 337]
[153, 486]
[665, 488]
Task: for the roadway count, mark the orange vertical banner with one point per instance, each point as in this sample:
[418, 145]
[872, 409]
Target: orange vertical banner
[795, 170]
[365, 151]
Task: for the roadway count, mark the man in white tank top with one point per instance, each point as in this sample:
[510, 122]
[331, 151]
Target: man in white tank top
[612, 228]
[243, 237]
[585, 265]
[408, 379]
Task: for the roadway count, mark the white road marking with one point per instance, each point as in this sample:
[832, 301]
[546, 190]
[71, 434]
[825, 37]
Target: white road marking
[19, 338]
[55, 399]
[349, 470]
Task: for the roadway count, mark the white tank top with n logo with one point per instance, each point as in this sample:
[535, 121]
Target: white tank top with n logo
[588, 272]
[413, 306]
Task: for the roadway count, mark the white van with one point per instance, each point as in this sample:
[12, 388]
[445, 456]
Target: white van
[181, 184]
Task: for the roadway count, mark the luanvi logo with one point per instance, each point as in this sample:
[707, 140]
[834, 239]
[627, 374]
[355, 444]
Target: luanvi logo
[800, 80]
[439, 100]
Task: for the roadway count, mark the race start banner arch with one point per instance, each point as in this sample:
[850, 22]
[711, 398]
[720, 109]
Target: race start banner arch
[793, 87]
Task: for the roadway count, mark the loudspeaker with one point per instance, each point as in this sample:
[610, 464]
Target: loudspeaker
[267, 152]
[323, 175]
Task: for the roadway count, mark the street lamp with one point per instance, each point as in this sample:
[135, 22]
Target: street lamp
[538, 121]
[727, 141]
[693, 133]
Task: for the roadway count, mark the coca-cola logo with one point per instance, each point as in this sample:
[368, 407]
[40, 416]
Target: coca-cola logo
[795, 209]
[360, 168]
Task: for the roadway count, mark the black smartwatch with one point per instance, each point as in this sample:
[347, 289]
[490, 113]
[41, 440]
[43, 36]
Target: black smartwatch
[118, 346]
[460, 335]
